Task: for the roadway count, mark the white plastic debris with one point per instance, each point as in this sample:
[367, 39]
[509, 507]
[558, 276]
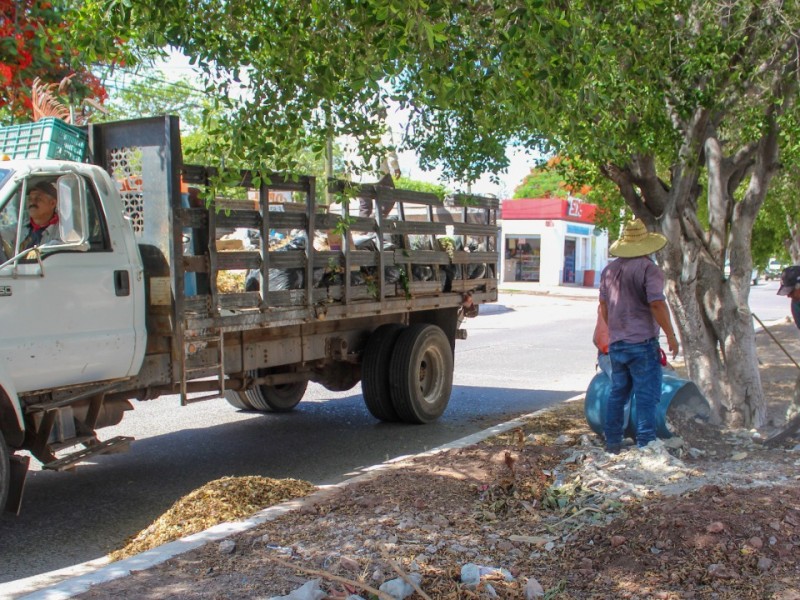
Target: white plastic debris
[310, 590]
[399, 588]
[674, 442]
[533, 589]
[471, 573]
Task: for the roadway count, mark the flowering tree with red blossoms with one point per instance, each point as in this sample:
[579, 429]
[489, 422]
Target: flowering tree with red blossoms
[35, 41]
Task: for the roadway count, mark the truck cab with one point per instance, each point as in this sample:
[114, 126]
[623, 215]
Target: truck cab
[73, 307]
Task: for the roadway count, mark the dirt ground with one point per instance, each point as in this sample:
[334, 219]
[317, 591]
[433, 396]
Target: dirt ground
[544, 510]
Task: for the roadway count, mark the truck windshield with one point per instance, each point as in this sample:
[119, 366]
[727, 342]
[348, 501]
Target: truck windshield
[5, 177]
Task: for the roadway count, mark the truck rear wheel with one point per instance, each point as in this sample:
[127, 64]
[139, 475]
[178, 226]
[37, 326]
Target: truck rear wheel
[277, 398]
[421, 373]
[5, 472]
[375, 372]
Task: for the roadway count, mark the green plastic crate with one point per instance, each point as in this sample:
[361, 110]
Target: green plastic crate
[46, 138]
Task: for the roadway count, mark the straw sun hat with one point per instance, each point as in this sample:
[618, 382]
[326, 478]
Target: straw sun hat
[636, 241]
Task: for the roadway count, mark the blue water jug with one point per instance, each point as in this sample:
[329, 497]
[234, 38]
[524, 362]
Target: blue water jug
[676, 394]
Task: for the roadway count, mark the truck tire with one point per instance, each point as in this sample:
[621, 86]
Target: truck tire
[238, 400]
[5, 472]
[421, 373]
[375, 372]
[277, 398]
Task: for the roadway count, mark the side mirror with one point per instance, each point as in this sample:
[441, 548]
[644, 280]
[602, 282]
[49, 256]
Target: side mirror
[72, 212]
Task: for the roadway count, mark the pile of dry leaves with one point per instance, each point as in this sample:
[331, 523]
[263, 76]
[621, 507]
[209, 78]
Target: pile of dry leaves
[545, 508]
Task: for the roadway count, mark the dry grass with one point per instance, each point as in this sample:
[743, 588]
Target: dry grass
[219, 501]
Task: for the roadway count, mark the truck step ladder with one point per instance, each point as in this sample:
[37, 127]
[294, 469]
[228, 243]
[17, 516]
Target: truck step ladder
[115, 444]
[191, 343]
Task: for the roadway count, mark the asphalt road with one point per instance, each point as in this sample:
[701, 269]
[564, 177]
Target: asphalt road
[522, 354]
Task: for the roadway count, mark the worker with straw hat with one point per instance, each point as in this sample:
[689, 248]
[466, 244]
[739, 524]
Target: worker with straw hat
[632, 303]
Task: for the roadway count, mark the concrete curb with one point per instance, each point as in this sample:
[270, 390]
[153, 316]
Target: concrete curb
[70, 581]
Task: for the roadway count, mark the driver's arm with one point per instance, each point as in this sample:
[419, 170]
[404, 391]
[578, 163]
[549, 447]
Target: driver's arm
[7, 236]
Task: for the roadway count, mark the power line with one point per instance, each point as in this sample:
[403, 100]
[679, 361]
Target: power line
[180, 85]
[146, 94]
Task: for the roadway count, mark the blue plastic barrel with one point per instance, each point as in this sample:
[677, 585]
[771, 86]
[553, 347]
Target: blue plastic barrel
[189, 279]
[676, 394]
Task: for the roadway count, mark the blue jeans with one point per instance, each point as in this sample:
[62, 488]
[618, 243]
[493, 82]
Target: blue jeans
[635, 368]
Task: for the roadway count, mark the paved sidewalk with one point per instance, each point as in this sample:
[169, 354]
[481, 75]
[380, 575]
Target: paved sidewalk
[532, 287]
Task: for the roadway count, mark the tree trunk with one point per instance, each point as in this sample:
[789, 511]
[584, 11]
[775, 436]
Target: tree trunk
[793, 245]
[716, 331]
[711, 309]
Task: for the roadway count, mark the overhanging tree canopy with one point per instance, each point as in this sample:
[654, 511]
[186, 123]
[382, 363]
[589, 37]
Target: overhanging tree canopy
[36, 41]
[679, 103]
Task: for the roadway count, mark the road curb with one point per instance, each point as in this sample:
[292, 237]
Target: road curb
[79, 578]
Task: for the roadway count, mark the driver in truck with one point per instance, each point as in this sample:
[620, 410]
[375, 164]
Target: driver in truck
[43, 224]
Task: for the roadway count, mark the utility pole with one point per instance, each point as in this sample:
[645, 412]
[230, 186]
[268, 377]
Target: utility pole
[328, 155]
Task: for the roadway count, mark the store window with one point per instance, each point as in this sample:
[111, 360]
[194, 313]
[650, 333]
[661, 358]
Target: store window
[523, 258]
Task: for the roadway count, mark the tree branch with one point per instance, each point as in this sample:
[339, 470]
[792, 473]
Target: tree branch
[719, 201]
[621, 177]
[332, 577]
[655, 191]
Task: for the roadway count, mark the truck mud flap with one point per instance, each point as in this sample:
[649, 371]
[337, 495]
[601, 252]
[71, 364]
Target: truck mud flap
[120, 443]
[18, 476]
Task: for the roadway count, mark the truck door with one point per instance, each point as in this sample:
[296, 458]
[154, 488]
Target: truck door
[70, 318]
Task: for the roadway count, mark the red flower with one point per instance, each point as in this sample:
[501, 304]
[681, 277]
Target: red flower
[6, 74]
[25, 59]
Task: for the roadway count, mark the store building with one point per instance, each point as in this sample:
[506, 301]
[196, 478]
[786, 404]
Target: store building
[552, 241]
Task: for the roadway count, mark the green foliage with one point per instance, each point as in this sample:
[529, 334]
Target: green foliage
[287, 75]
[561, 177]
[35, 41]
[541, 183]
[777, 223]
[150, 94]
[603, 81]
[422, 186]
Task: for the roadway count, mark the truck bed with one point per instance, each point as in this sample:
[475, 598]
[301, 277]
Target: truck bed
[412, 271]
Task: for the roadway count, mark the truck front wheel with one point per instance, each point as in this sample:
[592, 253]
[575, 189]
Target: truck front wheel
[277, 398]
[5, 472]
[421, 374]
[238, 400]
[268, 398]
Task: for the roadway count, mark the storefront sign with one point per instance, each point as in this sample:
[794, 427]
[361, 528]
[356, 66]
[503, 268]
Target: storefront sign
[578, 230]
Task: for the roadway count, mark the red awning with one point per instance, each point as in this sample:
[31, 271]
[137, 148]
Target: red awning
[548, 208]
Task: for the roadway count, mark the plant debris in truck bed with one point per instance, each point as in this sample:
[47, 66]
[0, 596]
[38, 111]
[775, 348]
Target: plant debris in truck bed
[219, 501]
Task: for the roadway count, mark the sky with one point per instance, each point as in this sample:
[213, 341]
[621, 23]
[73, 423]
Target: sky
[178, 66]
[520, 165]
